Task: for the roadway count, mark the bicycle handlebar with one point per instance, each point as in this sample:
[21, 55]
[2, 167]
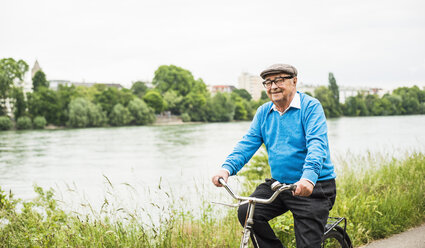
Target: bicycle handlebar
[277, 187]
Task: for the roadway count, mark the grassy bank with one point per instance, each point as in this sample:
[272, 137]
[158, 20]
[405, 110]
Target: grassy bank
[383, 199]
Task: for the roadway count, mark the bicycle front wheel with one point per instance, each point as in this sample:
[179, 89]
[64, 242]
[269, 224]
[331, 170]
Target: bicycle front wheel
[335, 239]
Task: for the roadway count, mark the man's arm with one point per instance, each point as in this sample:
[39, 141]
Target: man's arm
[242, 152]
[316, 142]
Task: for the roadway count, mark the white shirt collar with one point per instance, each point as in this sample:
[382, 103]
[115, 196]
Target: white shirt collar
[295, 103]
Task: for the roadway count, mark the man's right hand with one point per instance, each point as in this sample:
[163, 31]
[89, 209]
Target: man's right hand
[220, 173]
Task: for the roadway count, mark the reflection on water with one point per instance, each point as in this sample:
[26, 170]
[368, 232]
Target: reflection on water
[140, 156]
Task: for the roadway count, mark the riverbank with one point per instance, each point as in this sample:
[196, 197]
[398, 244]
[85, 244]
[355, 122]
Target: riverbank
[378, 201]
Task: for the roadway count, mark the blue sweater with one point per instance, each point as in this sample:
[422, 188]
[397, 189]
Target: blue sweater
[296, 143]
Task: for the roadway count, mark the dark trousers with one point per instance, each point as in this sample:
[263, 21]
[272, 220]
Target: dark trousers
[310, 214]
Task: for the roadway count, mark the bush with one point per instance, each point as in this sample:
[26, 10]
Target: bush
[39, 122]
[185, 117]
[5, 123]
[120, 116]
[83, 113]
[142, 114]
[24, 122]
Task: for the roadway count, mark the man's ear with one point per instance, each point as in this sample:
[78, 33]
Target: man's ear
[295, 81]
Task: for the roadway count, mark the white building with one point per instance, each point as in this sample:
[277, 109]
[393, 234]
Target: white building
[252, 84]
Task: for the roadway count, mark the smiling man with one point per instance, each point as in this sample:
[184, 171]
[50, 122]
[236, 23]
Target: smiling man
[293, 129]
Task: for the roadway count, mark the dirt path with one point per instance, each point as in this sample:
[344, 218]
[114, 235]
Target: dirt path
[413, 238]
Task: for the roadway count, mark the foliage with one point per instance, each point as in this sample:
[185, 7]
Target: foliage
[45, 102]
[65, 95]
[142, 114]
[24, 122]
[171, 77]
[139, 88]
[242, 93]
[39, 122]
[155, 101]
[10, 71]
[19, 103]
[221, 108]
[39, 80]
[83, 113]
[5, 123]
[120, 116]
[185, 117]
[324, 95]
[333, 87]
[173, 101]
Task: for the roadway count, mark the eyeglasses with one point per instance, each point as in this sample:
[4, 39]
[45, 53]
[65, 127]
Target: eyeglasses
[278, 81]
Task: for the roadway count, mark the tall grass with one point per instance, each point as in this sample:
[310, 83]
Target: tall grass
[386, 197]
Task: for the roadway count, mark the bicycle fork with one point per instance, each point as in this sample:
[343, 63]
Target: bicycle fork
[249, 221]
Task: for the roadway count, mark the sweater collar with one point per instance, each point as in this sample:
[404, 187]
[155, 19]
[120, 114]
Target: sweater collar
[295, 103]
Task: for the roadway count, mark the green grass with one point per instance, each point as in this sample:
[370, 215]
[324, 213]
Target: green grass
[383, 197]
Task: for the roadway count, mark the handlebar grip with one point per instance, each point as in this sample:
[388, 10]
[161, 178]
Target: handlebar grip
[293, 187]
[221, 181]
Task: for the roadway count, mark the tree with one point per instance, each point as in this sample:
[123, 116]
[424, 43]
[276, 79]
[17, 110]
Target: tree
[120, 116]
[222, 108]
[195, 105]
[142, 114]
[155, 101]
[173, 101]
[243, 93]
[44, 102]
[65, 95]
[171, 77]
[39, 80]
[19, 103]
[139, 88]
[107, 97]
[10, 70]
[355, 106]
[83, 113]
[333, 87]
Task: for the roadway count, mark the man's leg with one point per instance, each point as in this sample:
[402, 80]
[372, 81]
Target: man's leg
[263, 234]
[311, 213]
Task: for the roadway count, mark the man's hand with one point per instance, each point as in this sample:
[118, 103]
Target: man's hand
[304, 187]
[220, 173]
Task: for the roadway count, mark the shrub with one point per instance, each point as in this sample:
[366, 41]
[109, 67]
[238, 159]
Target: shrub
[24, 122]
[185, 117]
[83, 113]
[5, 123]
[142, 114]
[120, 116]
[39, 122]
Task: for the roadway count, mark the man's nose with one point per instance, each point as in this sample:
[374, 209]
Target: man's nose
[274, 85]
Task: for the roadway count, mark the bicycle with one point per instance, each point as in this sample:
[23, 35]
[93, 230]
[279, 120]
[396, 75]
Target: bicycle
[334, 236]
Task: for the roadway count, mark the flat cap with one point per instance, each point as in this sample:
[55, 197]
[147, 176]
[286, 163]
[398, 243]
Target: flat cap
[279, 68]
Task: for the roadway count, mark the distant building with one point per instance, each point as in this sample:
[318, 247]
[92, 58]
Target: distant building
[252, 84]
[221, 88]
[54, 84]
[36, 67]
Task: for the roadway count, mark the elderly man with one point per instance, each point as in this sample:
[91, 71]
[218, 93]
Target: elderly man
[293, 128]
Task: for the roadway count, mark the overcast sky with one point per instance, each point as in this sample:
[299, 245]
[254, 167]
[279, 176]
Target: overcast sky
[363, 42]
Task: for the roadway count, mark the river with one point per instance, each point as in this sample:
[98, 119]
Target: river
[128, 163]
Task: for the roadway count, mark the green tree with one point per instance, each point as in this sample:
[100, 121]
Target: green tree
[5, 123]
[324, 95]
[355, 106]
[44, 102]
[142, 114]
[195, 105]
[333, 87]
[139, 88]
[83, 113]
[39, 80]
[155, 101]
[10, 70]
[173, 101]
[19, 102]
[222, 108]
[120, 116]
[243, 93]
[39, 122]
[171, 77]
[23, 122]
[65, 95]
[107, 97]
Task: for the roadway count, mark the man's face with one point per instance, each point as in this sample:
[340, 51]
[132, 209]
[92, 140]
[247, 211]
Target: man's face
[281, 94]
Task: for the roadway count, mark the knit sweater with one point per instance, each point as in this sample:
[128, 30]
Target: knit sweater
[296, 142]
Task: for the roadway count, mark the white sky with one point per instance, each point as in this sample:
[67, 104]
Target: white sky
[364, 42]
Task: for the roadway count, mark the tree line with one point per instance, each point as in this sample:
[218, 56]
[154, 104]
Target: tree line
[175, 90]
